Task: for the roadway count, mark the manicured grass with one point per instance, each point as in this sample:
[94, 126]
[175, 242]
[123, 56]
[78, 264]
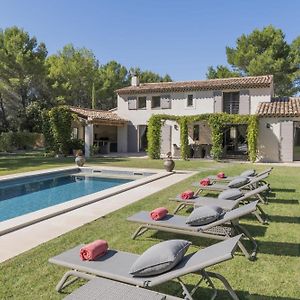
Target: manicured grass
[274, 275]
[24, 162]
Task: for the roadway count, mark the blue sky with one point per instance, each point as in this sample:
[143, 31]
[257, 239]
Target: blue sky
[178, 37]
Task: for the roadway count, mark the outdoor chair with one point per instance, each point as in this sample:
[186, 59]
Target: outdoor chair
[113, 270]
[224, 228]
[226, 204]
[252, 184]
[214, 178]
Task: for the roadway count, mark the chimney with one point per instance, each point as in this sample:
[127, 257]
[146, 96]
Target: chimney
[134, 79]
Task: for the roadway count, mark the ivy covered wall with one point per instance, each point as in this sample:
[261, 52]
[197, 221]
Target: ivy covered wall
[217, 123]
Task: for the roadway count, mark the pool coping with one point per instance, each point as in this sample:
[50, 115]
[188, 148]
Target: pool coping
[52, 211]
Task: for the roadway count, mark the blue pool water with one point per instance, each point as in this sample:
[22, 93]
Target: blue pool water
[25, 197]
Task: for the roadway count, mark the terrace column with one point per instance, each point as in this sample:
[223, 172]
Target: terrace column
[88, 138]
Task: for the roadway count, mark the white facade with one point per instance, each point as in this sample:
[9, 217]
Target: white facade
[279, 137]
[202, 102]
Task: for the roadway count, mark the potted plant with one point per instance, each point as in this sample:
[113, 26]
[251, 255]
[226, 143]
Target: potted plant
[169, 163]
[80, 159]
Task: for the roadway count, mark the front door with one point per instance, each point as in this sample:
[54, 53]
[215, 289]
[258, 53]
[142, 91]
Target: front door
[296, 141]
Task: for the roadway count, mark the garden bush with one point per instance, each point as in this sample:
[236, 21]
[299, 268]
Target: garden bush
[20, 140]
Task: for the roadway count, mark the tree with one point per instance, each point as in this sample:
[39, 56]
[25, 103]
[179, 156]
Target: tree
[22, 76]
[112, 76]
[295, 57]
[72, 73]
[221, 72]
[265, 52]
[149, 76]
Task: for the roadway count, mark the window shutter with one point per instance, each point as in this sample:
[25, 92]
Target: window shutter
[132, 103]
[218, 102]
[244, 108]
[165, 101]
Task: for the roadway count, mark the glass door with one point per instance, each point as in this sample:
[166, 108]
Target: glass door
[296, 140]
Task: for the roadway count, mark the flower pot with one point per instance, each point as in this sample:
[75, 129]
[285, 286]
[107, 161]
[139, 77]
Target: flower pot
[80, 160]
[169, 164]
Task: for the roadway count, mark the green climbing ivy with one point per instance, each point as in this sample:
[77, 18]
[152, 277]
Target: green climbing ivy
[216, 121]
[60, 119]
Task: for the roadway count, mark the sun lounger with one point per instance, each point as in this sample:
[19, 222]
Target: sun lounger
[227, 205]
[106, 289]
[219, 187]
[224, 228]
[214, 178]
[115, 266]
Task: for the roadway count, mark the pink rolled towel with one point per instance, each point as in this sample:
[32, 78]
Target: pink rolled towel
[205, 181]
[221, 175]
[93, 250]
[158, 213]
[187, 195]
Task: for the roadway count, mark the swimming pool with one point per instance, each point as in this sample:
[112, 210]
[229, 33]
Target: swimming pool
[118, 180]
[19, 197]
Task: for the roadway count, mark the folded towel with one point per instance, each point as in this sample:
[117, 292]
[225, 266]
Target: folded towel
[221, 175]
[93, 250]
[205, 181]
[187, 195]
[158, 213]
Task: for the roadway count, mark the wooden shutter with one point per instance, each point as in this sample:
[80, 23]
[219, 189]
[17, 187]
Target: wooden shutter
[131, 138]
[132, 103]
[218, 103]
[287, 141]
[165, 101]
[244, 108]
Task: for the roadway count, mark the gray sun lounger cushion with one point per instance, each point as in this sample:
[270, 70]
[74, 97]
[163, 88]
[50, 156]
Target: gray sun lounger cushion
[115, 265]
[232, 194]
[229, 178]
[160, 258]
[179, 222]
[238, 182]
[204, 215]
[253, 182]
[248, 173]
[106, 289]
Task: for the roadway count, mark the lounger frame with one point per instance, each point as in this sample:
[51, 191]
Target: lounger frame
[195, 263]
[227, 205]
[222, 229]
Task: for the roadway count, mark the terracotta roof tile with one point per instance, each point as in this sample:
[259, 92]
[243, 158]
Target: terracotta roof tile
[211, 84]
[94, 114]
[280, 107]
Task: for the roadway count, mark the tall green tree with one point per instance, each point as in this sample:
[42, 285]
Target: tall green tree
[112, 76]
[265, 52]
[72, 72]
[22, 76]
[149, 76]
[221, 72]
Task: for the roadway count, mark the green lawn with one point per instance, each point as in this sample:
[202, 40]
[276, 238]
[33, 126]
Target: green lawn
[274, 275]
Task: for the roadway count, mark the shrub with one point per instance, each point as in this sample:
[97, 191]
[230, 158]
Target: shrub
[21, 140]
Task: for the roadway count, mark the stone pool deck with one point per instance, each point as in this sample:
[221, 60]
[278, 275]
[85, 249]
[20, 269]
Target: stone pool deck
[21, 240]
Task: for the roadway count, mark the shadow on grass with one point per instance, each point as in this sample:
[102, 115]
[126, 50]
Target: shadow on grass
[283, 190]
[284, 219]
[284, 201]
[279, 248]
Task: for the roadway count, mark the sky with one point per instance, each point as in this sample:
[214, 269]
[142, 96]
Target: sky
[181, 38]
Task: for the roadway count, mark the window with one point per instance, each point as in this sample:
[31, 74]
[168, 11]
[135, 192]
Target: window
[155, 103]
[196, 132]
[141, 103]
[190, 101]
[131, 102]
[231, 102]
